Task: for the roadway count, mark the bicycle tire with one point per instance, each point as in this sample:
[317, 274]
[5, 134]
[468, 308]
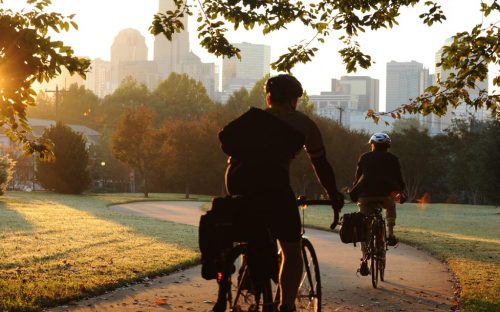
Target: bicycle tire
[382, 249]
[309, 293]
[245, 296]
[374, 256]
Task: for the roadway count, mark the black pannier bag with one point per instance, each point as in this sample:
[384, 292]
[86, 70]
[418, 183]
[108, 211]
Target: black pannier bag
[232, 219]
[354, 228]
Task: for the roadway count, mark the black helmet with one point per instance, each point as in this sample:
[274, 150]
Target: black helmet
[283, 88]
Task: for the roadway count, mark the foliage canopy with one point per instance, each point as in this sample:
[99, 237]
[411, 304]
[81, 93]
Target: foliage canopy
[28, 54]
[468, 56]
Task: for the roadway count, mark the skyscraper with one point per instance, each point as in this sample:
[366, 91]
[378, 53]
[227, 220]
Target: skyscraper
[99, 78]
[129, 46]
[364, 87]
[176, 56]
[254, 65]
[169, 55]
[405, 81]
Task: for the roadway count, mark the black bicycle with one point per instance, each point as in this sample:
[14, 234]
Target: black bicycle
[376, 244]
[241, 293]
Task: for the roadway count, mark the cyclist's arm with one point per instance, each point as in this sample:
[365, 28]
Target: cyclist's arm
[400, 177]
[359, 172]
[324, 172]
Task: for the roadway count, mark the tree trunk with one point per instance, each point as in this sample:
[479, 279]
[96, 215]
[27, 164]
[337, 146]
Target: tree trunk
[145, 186]
[187, 190]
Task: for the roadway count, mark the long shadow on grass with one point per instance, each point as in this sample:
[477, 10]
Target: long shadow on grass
[185, 235]
[12, 221]
[53, 256]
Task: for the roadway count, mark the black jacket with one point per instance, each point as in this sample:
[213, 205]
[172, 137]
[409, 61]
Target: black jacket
[378, 174]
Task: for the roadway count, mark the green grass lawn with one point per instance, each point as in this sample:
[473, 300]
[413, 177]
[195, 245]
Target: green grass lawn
[467, 237]
[56, 248]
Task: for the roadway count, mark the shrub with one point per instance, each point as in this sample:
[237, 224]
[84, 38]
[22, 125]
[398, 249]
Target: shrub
[6, 171]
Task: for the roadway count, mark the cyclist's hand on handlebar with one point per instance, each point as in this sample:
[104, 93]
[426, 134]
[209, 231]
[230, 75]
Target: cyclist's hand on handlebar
[337, 204]
[403, 198]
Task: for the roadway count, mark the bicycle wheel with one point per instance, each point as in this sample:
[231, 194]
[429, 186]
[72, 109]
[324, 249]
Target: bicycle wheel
[309, 294]
[245, 295]
[382, 252]
[374, 257]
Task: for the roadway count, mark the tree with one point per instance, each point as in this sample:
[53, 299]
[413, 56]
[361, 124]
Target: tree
[68, 172]
[238, 102]
[129, 94]
[472, 169]
[182, 97]
[137, 143]
[469, 54]
[414, 146]
[194, 161]
[78, 105]
[29, 54]
[6, 172]
[44, 108]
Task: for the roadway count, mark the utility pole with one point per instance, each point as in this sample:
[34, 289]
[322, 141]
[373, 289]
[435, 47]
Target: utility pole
[341, 110]
[56, 102]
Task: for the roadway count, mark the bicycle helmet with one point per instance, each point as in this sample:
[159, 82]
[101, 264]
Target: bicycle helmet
[380, 138]
[283, 88]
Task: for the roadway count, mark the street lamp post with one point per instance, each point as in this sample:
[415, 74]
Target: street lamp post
[103, 164]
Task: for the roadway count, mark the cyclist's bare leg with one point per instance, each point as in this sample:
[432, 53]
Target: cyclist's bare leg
[365, 208]
[390, 216]
[290, 272]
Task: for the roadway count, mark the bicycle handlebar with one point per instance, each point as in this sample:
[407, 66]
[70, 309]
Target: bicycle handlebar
[302, 201]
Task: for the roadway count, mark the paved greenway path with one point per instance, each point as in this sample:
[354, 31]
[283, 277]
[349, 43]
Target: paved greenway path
[414, 280]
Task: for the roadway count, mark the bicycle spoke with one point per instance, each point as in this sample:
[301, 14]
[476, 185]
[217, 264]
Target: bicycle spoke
[309, 294]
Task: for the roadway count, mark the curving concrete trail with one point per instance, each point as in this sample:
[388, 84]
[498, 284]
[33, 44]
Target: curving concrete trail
[414, 280]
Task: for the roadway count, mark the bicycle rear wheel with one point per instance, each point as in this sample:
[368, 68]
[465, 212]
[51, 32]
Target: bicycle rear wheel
[309, 293]
[245, 295]
[382, 253]
[374, 261]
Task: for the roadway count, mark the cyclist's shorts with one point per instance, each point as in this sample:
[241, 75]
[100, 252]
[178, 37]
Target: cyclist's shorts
[271, 192]
[285, 219]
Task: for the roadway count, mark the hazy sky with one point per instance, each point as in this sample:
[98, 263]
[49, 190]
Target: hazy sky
[100, 21]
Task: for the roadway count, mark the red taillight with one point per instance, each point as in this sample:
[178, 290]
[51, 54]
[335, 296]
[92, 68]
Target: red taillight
[219, 277]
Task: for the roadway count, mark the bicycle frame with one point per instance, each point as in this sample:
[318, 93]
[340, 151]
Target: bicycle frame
[376, 244]
[311, 277]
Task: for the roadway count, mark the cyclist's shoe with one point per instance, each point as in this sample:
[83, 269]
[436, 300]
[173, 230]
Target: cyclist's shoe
[364, 270]
[392, 240]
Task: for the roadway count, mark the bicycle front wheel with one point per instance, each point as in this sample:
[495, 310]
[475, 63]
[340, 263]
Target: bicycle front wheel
[309, 293]
[246, 295]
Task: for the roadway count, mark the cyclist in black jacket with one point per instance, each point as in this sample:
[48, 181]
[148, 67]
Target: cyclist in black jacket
[378, 179]
[261, 145]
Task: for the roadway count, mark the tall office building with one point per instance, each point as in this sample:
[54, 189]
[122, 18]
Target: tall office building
[98, 79]
[365, 88]
[405, 81]
[254, 65]
[169, 55]
[129, 46]
[175, 56]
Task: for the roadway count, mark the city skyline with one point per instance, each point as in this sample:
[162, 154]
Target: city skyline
[409, 41]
